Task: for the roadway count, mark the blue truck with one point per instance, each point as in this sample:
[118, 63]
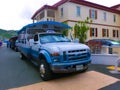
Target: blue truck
[43, 44]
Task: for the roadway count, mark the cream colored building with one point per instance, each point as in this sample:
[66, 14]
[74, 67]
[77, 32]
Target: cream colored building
[106, 20]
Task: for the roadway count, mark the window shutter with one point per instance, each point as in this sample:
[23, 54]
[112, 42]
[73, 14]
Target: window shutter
[103, 32]
[107, 33]
[90, 13]
[113, 33]
[90, 32]
[95, 14]
[96, 32]
[117, 34]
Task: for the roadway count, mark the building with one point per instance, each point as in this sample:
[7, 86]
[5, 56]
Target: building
[106, 20]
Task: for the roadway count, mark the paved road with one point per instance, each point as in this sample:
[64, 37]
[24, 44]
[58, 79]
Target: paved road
[14, 72]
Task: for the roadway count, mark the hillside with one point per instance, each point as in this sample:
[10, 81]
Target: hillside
[6, 34]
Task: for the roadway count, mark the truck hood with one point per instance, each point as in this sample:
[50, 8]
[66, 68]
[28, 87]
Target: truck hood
[64, 46]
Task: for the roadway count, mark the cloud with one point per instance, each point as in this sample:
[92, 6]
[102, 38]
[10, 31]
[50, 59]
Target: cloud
[16, 13]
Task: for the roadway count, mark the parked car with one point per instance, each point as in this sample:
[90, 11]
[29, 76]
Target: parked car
[106, 42]
[12, 42]
[16, 46]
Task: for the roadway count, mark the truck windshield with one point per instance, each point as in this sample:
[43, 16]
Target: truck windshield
[52, 38]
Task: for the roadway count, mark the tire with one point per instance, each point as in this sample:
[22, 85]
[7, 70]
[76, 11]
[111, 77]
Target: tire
[10, 46]
[45, 71]
[22, 57]
[16, 49]
[86, 68]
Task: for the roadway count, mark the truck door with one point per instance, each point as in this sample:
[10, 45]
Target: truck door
[35, 47]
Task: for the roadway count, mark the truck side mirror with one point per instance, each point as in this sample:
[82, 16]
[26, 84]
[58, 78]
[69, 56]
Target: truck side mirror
[36, 38]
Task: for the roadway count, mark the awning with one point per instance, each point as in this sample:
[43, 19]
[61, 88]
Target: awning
[46, 25]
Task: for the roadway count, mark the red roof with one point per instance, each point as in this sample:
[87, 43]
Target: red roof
[60, 3]
[94, 5]
[81, 2]
[42, 8]
[116, 6]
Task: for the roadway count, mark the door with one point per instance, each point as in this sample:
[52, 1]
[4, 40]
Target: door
[35, 48]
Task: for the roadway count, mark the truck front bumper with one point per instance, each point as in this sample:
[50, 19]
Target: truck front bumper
[70, 67]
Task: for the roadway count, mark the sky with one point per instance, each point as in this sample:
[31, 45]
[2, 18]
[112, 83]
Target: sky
[14, 14]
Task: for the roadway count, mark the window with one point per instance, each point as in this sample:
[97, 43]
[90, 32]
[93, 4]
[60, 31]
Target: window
[51, 19]
[114, 18]
[93, 32]
[50, 13]
[52, 38]
[93, 13]
[105, 16]
[105, 32]
[115, 33]
[78, 11]
[36, 38]
[42, 15]
[61, 12]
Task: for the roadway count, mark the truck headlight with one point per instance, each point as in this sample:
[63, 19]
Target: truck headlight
[55, 54]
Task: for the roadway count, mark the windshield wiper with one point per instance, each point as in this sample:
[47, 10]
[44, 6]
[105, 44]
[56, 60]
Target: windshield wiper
[63, 41]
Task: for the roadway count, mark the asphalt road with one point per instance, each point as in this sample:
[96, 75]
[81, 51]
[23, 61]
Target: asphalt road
[15, 72]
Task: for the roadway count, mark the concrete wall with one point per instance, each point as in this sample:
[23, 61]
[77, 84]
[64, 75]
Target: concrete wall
[99, 23]
[104, 59]
[69, 14]
[116, 50]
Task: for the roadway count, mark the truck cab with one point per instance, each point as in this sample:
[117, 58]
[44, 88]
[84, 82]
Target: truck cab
[52, 52]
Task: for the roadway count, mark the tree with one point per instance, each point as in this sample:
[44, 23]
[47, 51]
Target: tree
[65, 32]
[81, 28]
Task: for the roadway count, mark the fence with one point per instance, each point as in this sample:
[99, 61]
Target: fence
[95, 47]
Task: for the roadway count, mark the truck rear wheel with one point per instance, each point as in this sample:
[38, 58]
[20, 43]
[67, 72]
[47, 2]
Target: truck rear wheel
[22, 56]
[45, 71]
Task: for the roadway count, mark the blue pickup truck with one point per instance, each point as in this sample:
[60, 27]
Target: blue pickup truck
[44, 45]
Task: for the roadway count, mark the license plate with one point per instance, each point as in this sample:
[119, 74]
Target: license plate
[79, 67]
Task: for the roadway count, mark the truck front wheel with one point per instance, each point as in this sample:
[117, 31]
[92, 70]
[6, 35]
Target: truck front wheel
[45, 71]
[86, 68]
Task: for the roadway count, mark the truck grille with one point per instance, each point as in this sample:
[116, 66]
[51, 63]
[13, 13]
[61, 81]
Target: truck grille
[76, 55]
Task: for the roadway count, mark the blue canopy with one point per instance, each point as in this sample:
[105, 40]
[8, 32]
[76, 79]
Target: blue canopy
[46, 25]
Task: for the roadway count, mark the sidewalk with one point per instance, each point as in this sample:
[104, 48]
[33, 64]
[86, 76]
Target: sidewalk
[103, 69]
[97, 77]
[90, 80]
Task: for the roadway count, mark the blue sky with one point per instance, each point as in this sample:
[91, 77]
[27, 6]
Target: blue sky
[17, 13]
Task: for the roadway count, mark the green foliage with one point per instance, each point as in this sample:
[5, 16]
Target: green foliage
[7, 34]
[81, 28]
[65, 32]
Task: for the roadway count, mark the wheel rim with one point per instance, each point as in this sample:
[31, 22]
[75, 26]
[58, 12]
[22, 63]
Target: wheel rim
[20, 55]
[42, 70]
